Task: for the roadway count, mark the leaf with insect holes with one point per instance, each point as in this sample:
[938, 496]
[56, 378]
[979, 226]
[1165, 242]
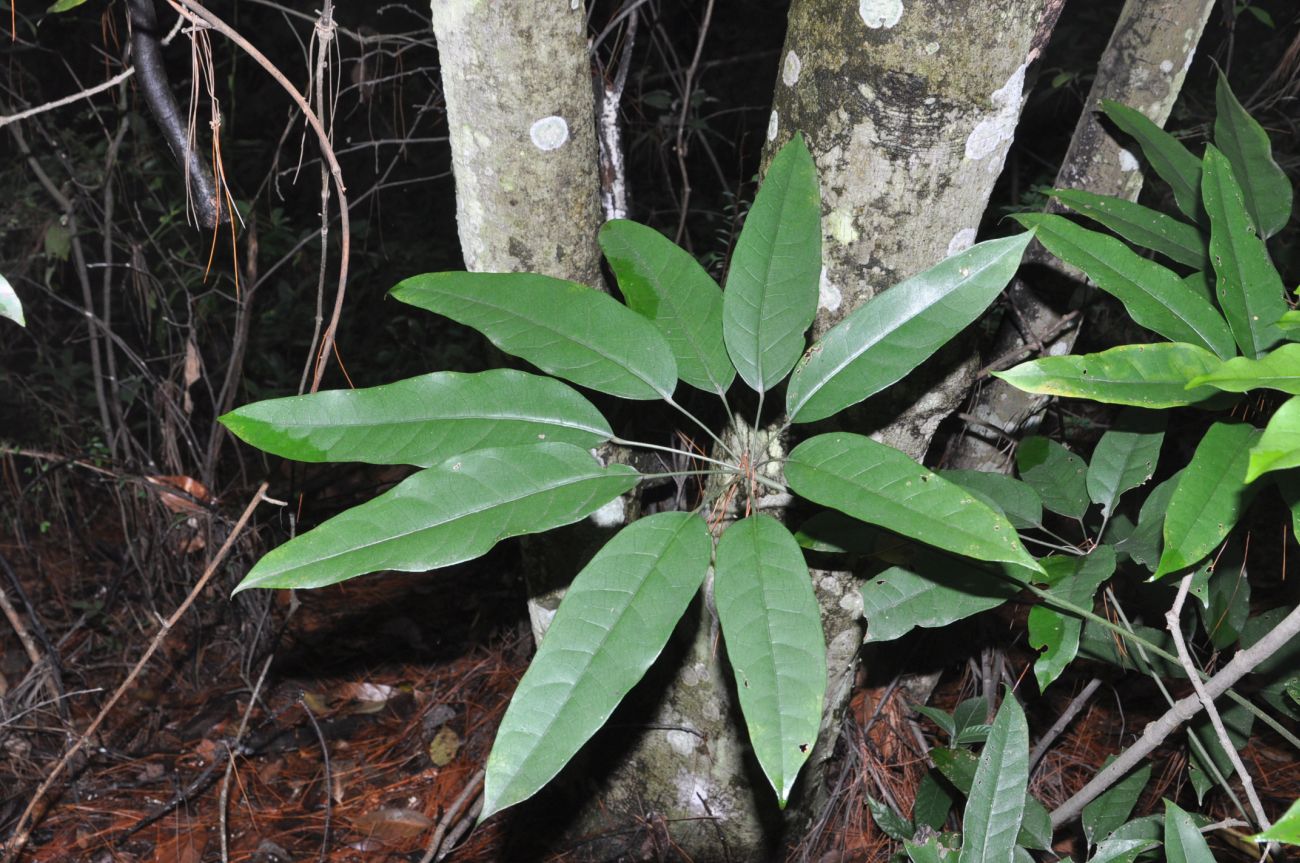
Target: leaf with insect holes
[1144, 376]
[772, 627]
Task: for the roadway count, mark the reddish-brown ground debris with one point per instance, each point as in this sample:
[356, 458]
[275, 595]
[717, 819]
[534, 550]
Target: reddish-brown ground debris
[377, 715]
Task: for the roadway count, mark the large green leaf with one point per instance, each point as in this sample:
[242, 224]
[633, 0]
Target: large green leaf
[1103, 815]
[895, 331]
[1154, 296]
[1265, 186]
[613, 623]
[1247, 284]
[10, 306]
[447, 514]
[771, 294]
[1171, 160]
[996, 804]
[1125, 457]
[1279, 446]
[1059, 476]
[1142, 226]
[1144, 376]
[663, 282]
[1210, 497]
[879, 485]
[931, 590]
[1056, 635]
[1014, 498]
[563, 328]
[422, 420]
[959, 766]
[1183, 840]
[1279, 369]
[773, 630]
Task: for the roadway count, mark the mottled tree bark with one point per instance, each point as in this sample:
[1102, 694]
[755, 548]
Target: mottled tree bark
[1143, 66]
[520, 112]
[909, 110]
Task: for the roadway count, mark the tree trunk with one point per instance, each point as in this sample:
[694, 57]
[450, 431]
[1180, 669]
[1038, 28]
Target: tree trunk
[520, 112]
[909, 111]
[1143, 66]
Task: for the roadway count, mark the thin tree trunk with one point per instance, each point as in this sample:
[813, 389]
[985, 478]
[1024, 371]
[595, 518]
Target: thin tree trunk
[520, 112]
[1143, 66]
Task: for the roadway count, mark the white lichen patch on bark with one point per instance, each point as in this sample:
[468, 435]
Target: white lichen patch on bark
[682, 742]
[773, 123]
[611, 514]
[841, 224]
[790, 69]
[880, 13]
[1127, 161]
[961, 241]
[1166, 66]
[549, 133]
[828, 296]
[997, 129]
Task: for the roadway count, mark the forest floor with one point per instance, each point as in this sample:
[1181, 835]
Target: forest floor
[376, 713]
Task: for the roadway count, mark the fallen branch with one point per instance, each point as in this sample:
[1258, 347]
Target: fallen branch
[1183, 710]
[1172, 621]
[27, 821]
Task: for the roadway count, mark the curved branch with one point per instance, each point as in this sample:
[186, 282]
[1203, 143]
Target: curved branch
[196, 12]
[152, 75]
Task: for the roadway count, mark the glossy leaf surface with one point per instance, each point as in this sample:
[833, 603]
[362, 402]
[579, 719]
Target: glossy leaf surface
[1141, 226]
[773, 630]
[1154, 296]
[1247, 285]
[447, 514]
[663, 282]
[932, 590]
[1059, 476]
[10, 306]
[1171, 160]
[1210, 496]
[880, 485]
[1125, 457]
[895, 331]
[1279, 369]
[421, 420]
[771, 293]
[1145, 376]
[1278, 447]
[996, 804]
[613, 623]
[1264, 185]
[563, 328]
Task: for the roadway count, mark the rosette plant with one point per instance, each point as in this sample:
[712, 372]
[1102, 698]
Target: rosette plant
[508, 452]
